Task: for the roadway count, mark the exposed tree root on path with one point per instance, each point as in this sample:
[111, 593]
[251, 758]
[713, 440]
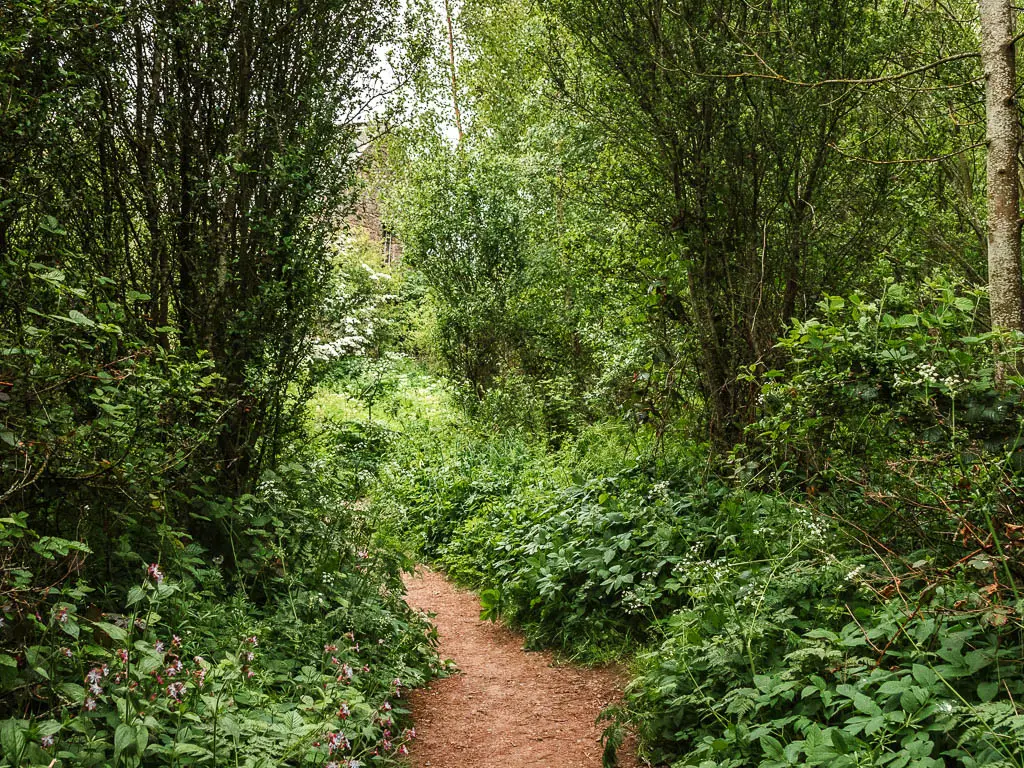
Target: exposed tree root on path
[506, 708]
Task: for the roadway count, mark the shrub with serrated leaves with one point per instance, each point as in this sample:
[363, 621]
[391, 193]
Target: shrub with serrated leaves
[832, 678]
[297, 654]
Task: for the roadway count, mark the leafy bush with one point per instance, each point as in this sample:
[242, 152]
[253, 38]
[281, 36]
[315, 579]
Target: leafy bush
[187, 676]
[841, 591]
[809, 668]
[298, 654]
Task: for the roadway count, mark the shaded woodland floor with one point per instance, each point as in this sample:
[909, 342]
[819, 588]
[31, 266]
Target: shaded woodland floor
[505, 707]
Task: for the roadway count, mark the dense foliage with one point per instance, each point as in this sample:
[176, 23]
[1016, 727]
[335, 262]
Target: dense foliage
[845, 598]
[739, 414]
[667, 326]
[186, 577]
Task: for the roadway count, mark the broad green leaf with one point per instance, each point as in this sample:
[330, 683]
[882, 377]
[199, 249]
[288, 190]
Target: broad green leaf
[79, 319]
[112, 631]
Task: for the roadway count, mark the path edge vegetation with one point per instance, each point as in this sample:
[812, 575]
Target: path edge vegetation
[703, 345]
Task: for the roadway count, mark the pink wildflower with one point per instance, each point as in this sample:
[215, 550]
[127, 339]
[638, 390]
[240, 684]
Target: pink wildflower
[90, 703]
[337, 742]
[155, 573]
[176, 691]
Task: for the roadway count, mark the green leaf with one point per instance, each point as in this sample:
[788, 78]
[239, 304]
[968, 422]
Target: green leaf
[12, 739]
[73, 691]
[893, 687]
[79, 319]
[842, 741]
[48, 728]
[50, 224]
[924, 675]
[124, 741]
[772, 747]
[866, 704]
[988, 690]
[113, 632]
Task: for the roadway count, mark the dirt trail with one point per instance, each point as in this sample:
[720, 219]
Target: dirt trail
[507, 708]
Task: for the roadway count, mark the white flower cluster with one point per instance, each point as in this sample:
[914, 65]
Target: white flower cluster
[375, 275]
[659, 490]
[639, 598]
[270, 490]
[815, 529]
[347, 345]
[694, 570]
[927, 374]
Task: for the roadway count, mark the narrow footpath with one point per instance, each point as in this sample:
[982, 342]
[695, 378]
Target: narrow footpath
[506, 708]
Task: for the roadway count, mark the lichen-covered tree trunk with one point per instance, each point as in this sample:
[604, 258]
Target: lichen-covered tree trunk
[1006, 294]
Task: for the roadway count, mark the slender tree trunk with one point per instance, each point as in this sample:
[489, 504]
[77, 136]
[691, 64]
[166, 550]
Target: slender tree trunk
[1006, 294]
[451, 53]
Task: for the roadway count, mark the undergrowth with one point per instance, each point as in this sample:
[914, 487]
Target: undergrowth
[841, 591]
[300, 656]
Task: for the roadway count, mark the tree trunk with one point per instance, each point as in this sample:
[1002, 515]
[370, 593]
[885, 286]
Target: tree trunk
[451, 52]
[1006, 294]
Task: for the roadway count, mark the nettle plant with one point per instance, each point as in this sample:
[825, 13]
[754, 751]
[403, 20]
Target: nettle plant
[814, 672]
[127, 689]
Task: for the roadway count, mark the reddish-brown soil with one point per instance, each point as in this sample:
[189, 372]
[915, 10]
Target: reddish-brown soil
[506, 707]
